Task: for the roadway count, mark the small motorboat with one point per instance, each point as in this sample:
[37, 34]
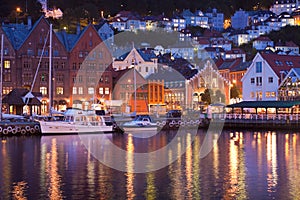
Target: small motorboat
[140, 124]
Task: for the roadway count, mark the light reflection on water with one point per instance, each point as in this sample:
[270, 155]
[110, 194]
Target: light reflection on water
[242, 165]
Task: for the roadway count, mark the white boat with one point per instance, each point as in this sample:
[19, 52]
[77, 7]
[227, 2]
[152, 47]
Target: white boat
[140, 124]
[76, 121]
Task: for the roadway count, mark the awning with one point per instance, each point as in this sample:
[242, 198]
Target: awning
[264, 104]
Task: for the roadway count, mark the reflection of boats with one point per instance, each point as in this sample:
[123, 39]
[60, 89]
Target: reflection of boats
[76, 121]
[140, 124]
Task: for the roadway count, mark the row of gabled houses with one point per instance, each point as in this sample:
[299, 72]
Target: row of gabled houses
[86, 75]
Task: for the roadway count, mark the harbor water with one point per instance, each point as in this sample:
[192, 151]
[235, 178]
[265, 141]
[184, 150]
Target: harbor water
[241, 165]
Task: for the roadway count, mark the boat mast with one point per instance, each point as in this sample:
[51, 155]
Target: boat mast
[1, 72]
[134, 80]
[50, 72]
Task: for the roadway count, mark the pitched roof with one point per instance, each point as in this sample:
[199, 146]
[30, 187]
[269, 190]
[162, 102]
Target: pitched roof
[16, 34]
[281, 62]
[15, 97]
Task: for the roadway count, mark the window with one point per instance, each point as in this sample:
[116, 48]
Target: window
[90, 90]
[43, 90]
[107, 90]
[56, 65]
[100, 55]
[106, 79]
[74, 90]
[258, 67]
[74, 66]
[80, 79]
[101, 91]
[43, 78]
[146, 69]
[270, 79]
[6, 64]
[60, 78]
[55, 53]
[259, 81]
[59, 90]
[26, 65]
[252, 80]
[7, 71]
[7, 90]
[29, 52]
[273, 94]
[80, 90]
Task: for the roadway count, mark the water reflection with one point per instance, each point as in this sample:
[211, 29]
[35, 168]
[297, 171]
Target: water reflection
[54, 179]
[130, 168]
[241, 165]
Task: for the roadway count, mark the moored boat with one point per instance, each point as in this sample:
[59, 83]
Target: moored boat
[76, 121]
[140, 124]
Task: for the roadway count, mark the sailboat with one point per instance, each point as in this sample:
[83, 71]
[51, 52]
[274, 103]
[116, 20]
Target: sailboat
[141, 123]
[75, 120]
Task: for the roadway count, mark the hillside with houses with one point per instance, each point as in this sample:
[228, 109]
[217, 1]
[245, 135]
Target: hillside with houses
[181, 62]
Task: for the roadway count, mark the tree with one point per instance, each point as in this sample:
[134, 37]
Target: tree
[219, 96]
[205, 97]
[234, 92]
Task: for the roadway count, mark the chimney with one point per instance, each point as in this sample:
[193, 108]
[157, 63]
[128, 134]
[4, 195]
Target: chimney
[29, 22]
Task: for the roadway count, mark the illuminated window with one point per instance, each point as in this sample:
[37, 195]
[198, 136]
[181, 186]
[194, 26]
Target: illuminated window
[101, 91]
[59, 90]
[80, 90]
[106, 90]
[90, 90]
[74, 91]
[43, 90]
[6, 64]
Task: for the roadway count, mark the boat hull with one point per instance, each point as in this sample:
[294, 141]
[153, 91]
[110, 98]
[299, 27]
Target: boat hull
[71, 128]
[139, 128]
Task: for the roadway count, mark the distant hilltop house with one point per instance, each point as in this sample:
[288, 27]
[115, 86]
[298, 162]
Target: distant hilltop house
[281, 6]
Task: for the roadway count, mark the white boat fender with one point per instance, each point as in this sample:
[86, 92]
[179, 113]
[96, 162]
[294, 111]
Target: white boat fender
[0, 129]
[9, 128]
[18, 129]
[5, 131]
[14, 131]
[37, 127]
[27, 128]
[23, 131]
[32, 130]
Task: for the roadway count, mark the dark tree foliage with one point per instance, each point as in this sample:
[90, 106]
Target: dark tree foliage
[91, 8]
[234, 92]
